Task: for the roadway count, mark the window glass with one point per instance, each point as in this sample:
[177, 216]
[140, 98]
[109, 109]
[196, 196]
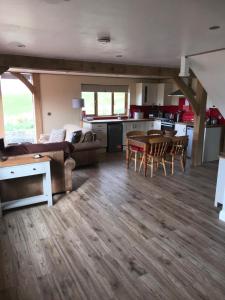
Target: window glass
[119, 103]
[18, 110]
[104, 103]
[89, 102]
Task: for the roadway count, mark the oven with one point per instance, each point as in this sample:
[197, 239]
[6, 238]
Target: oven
[167, 124]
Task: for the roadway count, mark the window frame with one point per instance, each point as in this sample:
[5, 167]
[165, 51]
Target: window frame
[113, 114]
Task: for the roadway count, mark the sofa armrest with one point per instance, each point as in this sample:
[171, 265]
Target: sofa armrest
[69, 165]
[44, 138]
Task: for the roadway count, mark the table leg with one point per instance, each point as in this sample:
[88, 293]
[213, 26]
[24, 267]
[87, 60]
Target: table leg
[127, 156]
[47, 187]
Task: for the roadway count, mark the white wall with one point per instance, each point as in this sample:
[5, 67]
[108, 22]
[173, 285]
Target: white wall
[210, 70]
[57, 92]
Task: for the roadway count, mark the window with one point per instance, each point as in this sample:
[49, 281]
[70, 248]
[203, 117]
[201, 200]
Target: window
[105, 101]
[18, 110]
[89, 102]
[120, 103]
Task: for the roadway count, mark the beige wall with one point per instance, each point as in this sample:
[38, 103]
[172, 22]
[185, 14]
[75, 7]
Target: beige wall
[57, 92]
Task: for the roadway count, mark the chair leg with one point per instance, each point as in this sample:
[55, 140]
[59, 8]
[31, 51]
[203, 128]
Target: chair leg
[164, 166]
[182, 163]
[152, 166]
[135, 161]
[142, 161]
[172, 165]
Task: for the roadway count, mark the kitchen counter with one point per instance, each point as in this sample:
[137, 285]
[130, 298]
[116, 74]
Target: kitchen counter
[191, 124]
[117, 120]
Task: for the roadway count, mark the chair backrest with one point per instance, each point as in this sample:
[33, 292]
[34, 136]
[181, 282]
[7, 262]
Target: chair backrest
[135, 133]
[169, 133]
[179, 144]
[159, 146]
[155, 132]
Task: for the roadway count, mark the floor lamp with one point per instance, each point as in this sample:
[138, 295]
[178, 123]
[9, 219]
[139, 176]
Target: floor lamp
[78, 103]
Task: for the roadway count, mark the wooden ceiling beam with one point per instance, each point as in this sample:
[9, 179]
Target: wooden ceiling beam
[188, 93]
[24, 80]
[53, 64]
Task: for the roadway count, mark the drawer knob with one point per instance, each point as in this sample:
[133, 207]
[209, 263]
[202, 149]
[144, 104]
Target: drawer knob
[34, 169]
[12, 172]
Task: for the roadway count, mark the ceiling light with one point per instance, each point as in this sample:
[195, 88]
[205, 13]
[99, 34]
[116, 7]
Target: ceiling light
[20, 45]
[215, 27]
[105, 39]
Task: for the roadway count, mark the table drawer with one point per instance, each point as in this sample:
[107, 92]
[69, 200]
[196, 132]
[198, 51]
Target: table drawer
[22, 170]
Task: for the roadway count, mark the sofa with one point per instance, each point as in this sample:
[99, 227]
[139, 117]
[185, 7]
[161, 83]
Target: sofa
[62, 165]
[86, 150]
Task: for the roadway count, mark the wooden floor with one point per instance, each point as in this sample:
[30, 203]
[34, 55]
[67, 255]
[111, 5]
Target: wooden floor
[118, 236]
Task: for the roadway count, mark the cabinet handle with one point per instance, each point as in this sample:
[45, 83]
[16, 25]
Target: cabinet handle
[12, 172]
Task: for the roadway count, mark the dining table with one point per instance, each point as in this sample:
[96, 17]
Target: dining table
[141, 142]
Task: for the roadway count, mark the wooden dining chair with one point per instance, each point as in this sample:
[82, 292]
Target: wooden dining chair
[155, 132]
[135, 152]
[178, 151]
[169, 133]
[156, 155]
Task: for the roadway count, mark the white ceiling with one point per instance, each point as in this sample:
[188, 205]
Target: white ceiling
[149, 32]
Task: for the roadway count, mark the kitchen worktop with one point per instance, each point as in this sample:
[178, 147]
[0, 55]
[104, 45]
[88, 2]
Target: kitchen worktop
[117, 120]
[191, 124]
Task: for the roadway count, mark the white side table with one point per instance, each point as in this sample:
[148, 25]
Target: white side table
[220, 186]
[27, 166]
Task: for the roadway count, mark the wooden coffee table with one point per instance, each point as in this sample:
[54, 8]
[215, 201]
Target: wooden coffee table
[27, 166]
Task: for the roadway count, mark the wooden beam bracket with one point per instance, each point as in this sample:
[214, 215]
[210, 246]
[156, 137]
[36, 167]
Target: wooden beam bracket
[188, 93]
[22, 78]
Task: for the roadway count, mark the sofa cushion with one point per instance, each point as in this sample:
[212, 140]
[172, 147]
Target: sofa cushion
[76, 136]
[70, 128]
[87, 146]
[57, 135]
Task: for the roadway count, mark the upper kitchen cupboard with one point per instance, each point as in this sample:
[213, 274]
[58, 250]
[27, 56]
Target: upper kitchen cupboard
[146, 93]
[155, 94]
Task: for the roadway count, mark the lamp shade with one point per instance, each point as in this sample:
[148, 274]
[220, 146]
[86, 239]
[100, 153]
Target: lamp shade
[77, 103]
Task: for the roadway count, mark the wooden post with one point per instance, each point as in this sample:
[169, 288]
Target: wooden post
[199, 126]
[2, 131]
[37, 104]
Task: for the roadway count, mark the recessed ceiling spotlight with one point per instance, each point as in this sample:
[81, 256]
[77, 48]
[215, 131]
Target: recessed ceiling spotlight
[215, 27]
[119, 55]
[21, 45]
[104, 39]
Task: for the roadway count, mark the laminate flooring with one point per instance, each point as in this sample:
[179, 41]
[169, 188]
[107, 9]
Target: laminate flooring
[118, 235]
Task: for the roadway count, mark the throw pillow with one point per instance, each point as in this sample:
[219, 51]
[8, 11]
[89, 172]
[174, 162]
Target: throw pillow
[57, 135]
[76, 136]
